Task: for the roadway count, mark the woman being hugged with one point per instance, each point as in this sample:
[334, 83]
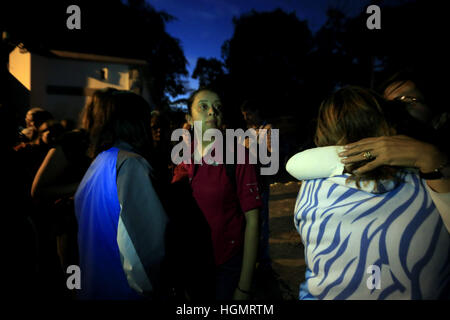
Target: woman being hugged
[229, 203]
[372, 234]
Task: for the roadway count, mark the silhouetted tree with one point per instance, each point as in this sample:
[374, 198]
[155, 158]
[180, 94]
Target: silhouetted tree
[266, 59]
[207, 71]
[273, 57]
[411, 36]
[330, 61]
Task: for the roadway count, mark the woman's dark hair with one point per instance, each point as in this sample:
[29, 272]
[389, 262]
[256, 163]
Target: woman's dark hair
[116, 115]
[55, 128]
[350, 114]
[40, 116]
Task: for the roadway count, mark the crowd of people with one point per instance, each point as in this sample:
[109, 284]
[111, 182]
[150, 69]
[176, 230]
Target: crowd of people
[105, 196]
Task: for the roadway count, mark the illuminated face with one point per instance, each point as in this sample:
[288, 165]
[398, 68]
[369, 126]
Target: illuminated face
[44, 131]
[206, 108]
[410, 94]
[29, 119]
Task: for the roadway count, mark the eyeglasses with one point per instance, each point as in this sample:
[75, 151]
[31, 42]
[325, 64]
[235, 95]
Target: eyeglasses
[409, 100]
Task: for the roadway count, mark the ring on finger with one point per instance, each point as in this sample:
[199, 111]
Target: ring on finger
[367, 155]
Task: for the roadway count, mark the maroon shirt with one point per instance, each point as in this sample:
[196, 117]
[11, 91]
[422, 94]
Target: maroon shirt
[223, 205]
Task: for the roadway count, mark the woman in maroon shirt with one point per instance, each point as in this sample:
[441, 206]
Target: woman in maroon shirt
[231, 209]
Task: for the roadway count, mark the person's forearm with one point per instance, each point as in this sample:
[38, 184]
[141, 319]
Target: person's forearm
[315, 163]
[439, 185]
[401, 151]
[250, 250]
[432, 158]
[49, 172]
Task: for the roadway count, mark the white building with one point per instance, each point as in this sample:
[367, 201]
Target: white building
[62, 81]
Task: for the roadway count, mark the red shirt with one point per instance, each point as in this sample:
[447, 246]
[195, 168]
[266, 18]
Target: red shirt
[222, 205]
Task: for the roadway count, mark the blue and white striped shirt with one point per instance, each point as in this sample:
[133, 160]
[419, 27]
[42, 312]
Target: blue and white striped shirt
[347, 231]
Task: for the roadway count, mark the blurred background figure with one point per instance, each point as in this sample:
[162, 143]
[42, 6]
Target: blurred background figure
[44, 134]
[68, 124]
[20, 250]
[155, 124]
[161, 161]
[33, 120]
[50, 132]
[251, 111]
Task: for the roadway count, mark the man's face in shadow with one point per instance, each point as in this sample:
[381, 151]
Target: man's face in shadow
[411, 95]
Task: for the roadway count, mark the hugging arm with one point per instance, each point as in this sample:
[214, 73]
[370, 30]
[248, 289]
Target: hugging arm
[315, 163]
[400, 151]
[406, 152]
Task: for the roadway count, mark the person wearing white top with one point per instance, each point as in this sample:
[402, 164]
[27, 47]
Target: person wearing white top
[371, 229]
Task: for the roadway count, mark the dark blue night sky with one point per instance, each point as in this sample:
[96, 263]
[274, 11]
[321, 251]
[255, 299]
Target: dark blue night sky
[202, 26]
